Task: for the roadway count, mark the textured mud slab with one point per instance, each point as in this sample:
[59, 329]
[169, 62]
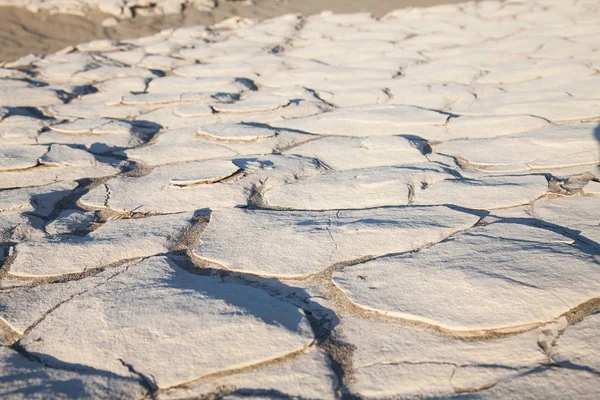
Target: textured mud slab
[336, 206]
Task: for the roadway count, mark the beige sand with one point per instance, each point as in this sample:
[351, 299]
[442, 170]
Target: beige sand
[23, 32]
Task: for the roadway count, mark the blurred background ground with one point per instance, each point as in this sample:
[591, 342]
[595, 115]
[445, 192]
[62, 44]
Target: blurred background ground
[23, 32]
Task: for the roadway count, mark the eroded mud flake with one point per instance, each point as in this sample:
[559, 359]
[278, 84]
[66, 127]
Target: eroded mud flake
[499, 276]
[299, 243]
[398, 360]
[158, 315]
[356, 188]
[114, 241]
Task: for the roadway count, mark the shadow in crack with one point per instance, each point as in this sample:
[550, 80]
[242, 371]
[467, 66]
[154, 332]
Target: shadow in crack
[249, 162]
[31, 112]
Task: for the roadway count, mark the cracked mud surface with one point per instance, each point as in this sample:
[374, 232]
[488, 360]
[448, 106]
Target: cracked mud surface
[47, 26]
[337, 206]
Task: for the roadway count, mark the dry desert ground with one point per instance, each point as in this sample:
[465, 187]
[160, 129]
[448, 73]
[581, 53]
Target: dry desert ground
[361, 204]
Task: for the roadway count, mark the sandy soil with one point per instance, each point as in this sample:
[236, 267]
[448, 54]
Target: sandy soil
[23, 32]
